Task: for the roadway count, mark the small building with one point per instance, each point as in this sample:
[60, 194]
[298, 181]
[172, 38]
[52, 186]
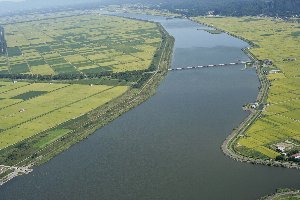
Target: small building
[296, 156]
[274, 71]
[210, 13]
[22, 110]
[254, 105]
[284, 146]
[281, 148]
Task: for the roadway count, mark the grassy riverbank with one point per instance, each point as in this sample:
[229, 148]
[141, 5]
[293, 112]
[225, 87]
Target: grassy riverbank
[42, 143]
[283, 194]
[272, 131]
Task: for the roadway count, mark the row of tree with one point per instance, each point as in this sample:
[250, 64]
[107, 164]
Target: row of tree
[130, 76]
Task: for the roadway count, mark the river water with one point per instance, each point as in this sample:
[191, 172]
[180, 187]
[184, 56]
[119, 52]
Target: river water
[168, 148]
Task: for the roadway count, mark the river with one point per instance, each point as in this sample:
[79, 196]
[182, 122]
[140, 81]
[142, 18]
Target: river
[168, 148]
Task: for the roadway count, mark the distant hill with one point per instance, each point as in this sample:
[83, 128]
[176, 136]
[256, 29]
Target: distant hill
[234, 7]
[225, 7]
[188, 7]
[7, 7]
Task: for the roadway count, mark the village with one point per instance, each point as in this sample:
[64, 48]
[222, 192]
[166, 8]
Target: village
[289, 150]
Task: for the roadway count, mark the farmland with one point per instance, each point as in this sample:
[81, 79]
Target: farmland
[66, 74]
[279, 123]
[145, 11]
[24, 114]
[83, 43]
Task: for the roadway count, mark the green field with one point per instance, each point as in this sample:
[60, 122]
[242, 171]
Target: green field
[77, 43]
[276, 40]
[68, 73]
[22, 117]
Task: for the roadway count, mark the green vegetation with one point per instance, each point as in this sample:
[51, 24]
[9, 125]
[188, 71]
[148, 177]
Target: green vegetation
[213, 31]
[283, 194]
[45, 113]
[145, 11]
[83, 44]
[282, 8]
[24, 118]
[277, 126]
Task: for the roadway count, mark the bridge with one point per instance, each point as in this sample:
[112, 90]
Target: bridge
[206, 66]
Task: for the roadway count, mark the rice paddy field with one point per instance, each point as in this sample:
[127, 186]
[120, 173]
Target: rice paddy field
[47, 116]
[75, 42]
[27, 109]
[276, 40]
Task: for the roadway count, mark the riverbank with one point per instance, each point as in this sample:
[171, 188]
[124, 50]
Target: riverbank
[283, 194]
[231, 146]
[88, 123]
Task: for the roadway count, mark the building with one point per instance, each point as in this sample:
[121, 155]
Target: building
[283, 146]
[296, 156]
[254, 105]
[274, 71]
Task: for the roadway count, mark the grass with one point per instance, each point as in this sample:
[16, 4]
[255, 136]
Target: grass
[283, 194]
[276, 40]
[213, 31]
[146, 11]
[51, 137]
[38, 110]
[77, 43]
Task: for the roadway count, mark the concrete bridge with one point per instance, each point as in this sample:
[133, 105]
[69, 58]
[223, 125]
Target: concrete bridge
[206, 66]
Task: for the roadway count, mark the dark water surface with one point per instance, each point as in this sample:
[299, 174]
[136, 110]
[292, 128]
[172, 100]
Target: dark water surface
[168, 148]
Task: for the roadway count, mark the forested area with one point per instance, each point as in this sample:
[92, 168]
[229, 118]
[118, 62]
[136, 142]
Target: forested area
[188, 7]
[236, 7]
[224, 7]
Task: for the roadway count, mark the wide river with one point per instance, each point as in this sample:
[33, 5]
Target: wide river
[168, 148]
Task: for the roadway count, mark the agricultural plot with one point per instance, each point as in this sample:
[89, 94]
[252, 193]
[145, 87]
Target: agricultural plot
[146, 11]
[278, 41]
[28, 109]
[53, 92]
[77, 44]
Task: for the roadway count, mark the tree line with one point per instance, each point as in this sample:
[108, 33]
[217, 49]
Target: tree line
[234, 7]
